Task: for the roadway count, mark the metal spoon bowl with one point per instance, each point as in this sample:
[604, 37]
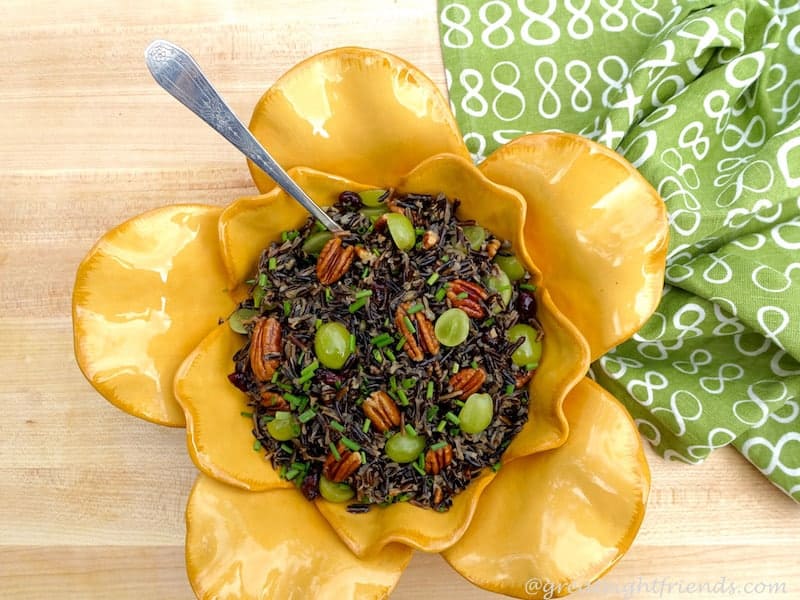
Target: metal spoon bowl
[178, 73]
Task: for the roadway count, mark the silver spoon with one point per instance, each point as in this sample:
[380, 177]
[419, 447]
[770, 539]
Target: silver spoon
[177, 72]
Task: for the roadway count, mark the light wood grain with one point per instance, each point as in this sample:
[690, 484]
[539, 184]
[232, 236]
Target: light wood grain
[91, 500]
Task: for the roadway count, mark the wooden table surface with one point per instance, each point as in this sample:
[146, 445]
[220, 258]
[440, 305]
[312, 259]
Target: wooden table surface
[92, 500]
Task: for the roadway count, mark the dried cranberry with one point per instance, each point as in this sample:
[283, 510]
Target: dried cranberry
[526, 306]
[329, 377]
[310, 487]
[350, 200]
[239, 380]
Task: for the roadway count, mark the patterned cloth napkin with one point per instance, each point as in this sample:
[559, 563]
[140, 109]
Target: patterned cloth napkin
[704, 99]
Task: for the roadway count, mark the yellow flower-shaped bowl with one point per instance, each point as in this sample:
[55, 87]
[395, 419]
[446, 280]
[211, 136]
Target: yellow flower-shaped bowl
[571, 492]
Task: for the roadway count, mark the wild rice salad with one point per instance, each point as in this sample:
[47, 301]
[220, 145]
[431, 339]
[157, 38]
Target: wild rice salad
[390, 363]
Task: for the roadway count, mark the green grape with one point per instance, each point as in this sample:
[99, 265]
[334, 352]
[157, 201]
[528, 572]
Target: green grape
[452, 327]
[476, 414]
[283, 427]
[373, 212]
[500, 283]
[511, 266]
[373, 197]
[402, 231]
[475, 235]
[531, 350]
[332, 345]
[334, 492]
[403, 447]
[237, 319]
[316, 241]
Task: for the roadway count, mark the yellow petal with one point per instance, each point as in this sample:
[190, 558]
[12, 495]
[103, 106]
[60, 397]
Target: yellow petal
[220, 439]
[250, 224]
[144, 296]
[248, 546]
[595, 228]
[421, 528]
[358, 113]
[565, 358]
[562, 517]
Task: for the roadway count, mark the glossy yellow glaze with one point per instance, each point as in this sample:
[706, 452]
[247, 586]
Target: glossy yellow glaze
[420, 528]
[362, 114]
[220, 439]
[135, 306]
[564, 516]
[595, 227]
[249, 225]
[252, 546]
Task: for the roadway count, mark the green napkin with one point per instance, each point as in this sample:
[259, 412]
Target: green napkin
[704, 99]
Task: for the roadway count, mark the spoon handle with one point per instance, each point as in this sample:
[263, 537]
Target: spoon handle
[177, 72]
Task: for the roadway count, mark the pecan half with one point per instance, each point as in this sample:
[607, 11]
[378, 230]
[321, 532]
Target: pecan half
[265, 341]
[429, 239]
[273, 402]
[381, 410]
[424, 328]
[468, 297]
[436, 460]
[334, 261]
[339, 470]
[467, 381]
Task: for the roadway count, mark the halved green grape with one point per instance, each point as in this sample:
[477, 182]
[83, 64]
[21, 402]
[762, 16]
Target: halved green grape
[373, 212]
[403, 447]
[334, 492]
[332, 344]
[531, 349]
[476, 414]
[237, 319]
[475, 235]
[316, 242]
[373, 197]
[500, 283]
[452, 327]
[283, 427]
[402, 231]
[511, 266]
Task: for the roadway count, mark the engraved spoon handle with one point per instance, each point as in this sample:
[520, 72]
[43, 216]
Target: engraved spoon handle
[177, 72]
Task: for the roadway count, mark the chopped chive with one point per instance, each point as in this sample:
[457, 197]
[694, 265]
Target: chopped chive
[510, 389]
[421, 460]
[418, 469]
[527, 287]
[282, 414]
[287, 308]
[291, 474]
[409, 324]
[390, 355]
[307, 384]
[328, 294]
[429, 391]
[257, 445]
[474, 364]
[452, 418]
[409, 382]
[300, 466]
[366, 425]
[306, 416]
[378, 356]
[415, 308]
[293, 400]
[351, 346]
[410, 430]
[262, 279]
[454, 431]
[462, 296]
[334, 451]
[364, 273]
[287, 448]
[310, 368]
[337, 426]
[357, 304]
[382, 340]
[317, 323]
[393, 382]
[363, 294]
[531, 366]
[247, 415]
[440, 294]
[496, 466]
[250, 281]
[363, 457]
[442, 424]
[273, 264]
[402, 396]
[274, 378]
[432, 279]
[458, 403]
[258, 296]
[438, 445]
[400, 344]
[354, 446]
[489, 322]
[455, 368]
